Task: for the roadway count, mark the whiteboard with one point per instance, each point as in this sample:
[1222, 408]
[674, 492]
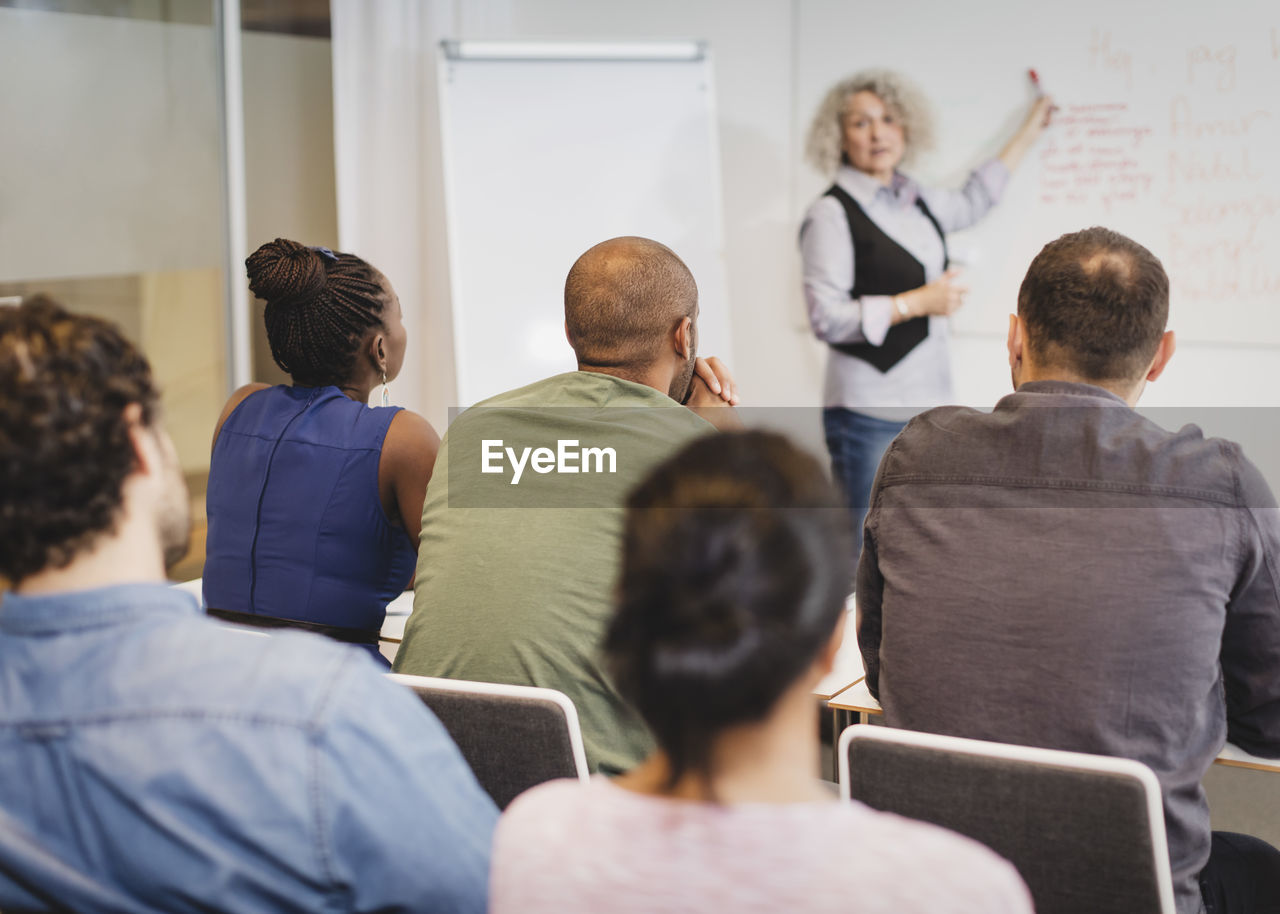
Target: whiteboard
[550, 149]
[1169, 131]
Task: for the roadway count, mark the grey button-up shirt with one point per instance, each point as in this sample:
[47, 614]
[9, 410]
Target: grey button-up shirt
[1063, 572]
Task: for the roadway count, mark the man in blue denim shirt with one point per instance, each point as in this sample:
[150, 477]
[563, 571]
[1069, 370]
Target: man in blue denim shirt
[1064, 572]
[151, 760]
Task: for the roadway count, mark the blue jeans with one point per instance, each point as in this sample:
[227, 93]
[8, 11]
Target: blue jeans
[1242, 876]
[856, 442]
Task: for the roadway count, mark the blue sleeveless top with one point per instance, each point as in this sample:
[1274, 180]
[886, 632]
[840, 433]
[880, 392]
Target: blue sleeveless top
[296, 525]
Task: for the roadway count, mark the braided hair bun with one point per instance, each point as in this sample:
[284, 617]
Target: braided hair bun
[285, 271]
[320, 306]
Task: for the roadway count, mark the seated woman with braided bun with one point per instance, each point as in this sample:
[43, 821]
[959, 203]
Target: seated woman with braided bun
[735, 568]
[315, 500]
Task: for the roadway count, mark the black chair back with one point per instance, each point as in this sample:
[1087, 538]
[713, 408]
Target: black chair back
[1085, 832]
[513, 737]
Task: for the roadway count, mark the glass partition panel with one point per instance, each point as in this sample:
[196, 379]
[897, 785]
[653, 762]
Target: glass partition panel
[112, 190]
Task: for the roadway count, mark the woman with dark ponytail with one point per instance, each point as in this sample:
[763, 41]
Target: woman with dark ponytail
[315, 500]
[736, 566]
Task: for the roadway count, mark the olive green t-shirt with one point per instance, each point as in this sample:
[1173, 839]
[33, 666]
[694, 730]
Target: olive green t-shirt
[520, 547]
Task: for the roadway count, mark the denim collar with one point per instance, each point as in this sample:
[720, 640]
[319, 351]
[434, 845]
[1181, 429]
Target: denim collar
[121, 604]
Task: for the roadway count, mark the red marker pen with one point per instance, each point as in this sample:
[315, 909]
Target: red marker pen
[1035, 81]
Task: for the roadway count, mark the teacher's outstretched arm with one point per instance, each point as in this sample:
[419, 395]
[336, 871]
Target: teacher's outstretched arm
[1037, 119]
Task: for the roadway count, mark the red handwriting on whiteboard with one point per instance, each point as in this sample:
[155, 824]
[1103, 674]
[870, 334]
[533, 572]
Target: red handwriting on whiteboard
[1108, 59]
[1184, 124]
[1192, 167]
[1216, 249]
[1220, 268]
[1243, 214]
[1220, 62]
[1099, 164]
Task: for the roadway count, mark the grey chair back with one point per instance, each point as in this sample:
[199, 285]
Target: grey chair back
[513, 737]
[1086, 832]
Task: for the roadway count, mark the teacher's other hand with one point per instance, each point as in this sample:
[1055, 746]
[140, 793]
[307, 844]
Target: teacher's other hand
[943, 296]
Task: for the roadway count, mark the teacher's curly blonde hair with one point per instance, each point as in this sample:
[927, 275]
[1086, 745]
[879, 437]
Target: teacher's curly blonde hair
[904, 100]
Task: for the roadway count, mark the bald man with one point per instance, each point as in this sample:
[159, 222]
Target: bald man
[521, 529]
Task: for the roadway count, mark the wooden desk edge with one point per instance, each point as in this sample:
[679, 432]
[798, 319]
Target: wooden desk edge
[849, 706]
[840, 691]
[1253, 766]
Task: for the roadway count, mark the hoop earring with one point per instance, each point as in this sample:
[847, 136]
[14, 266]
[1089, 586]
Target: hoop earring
[386, 396]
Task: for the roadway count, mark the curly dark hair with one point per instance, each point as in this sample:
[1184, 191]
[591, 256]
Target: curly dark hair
[65, 450]
[320, 305]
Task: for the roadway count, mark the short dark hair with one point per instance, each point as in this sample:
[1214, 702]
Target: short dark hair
[621, 299]
[67, 379]
[320, 306]
[1097, 303]
[737, 561]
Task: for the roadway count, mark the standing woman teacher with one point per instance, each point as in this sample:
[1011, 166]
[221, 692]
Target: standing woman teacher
[877, 281]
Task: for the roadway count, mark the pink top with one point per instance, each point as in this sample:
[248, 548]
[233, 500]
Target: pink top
[564, 847]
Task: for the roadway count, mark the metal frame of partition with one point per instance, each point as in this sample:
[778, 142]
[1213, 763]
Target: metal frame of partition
[226, 23]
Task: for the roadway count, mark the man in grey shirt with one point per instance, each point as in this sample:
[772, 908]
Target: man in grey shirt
[1063, 572]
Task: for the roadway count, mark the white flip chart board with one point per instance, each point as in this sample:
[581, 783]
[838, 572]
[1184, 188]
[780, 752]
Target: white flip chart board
[549, 149]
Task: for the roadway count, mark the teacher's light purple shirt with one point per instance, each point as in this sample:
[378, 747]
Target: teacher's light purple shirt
[923, 378]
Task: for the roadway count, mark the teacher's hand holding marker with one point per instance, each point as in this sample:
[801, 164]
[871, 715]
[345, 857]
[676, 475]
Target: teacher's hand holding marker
[1037, 119]
[943, 297]
[879, 281]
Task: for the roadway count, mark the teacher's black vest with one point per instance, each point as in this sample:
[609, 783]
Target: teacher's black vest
[881, 266]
